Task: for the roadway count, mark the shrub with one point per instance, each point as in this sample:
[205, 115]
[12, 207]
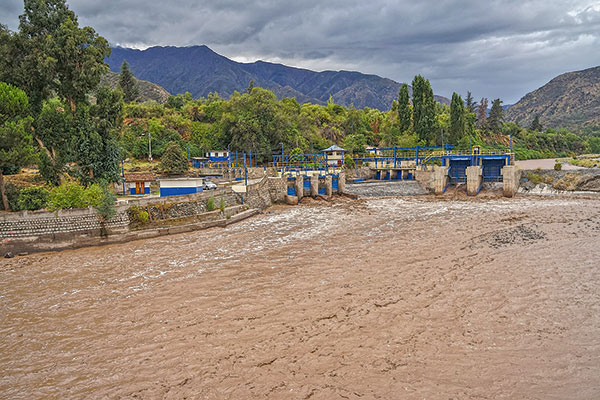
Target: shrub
[222, 204]
[210, 204]
[138, 215]
[33, 198]
[106, 209]
[534, 178]
[74, 195]
[557, 166]
[348, 161]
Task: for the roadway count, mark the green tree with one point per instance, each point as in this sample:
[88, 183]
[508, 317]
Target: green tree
[16, 148]
[53, 133]
[128, 84]
[481, 121]
[470, 104]
[404, 110]
[536, 125]
[496, 117]
[80, 55]
[457, 119]
[424, 119]
[173, 160]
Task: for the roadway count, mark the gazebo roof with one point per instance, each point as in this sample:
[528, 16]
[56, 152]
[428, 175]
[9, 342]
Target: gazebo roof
[335, 147]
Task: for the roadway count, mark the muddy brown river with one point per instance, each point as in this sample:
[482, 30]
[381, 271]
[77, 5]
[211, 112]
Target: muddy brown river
[398, 298]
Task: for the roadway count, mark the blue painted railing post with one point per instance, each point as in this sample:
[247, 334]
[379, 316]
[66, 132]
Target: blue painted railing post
[510, 159]
[394, 157]
[417, 155]
[245, 170]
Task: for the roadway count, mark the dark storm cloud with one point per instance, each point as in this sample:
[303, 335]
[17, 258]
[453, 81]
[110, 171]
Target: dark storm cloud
[493, 48]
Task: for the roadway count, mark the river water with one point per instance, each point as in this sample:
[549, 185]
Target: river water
[380, 298]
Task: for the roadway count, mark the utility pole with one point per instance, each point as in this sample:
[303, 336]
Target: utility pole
[123, 175]
[149, 147]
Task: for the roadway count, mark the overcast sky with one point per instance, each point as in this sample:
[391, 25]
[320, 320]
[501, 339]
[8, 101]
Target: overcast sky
[492, 48]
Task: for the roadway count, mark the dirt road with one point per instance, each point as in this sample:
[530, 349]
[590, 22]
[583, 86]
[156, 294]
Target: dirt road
[407, 298]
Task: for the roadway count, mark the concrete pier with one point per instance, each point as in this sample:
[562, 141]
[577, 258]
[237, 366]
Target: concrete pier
[440, 179]
[342, 183]
[474, 180]
[511, 176]
[314, 185]
[300, 187]
[328, 186]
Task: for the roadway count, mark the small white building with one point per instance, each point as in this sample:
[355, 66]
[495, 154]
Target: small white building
[179, 186]
[139, 183]
[217, 155]
[335, 156]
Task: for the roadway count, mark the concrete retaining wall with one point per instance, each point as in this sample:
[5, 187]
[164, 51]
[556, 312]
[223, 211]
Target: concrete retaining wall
[43, 230]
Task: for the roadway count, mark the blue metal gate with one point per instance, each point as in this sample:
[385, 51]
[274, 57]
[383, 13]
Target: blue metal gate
[492, 169]
[458, 169]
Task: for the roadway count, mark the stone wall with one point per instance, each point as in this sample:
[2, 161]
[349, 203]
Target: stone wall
[42, 230]
[425, 178]
[173, 207]
[267, 191]
[359, 172]
[584, 180]
[36, 223]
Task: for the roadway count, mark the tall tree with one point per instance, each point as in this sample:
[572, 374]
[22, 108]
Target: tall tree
[496, 117]
[80, 55]
[482, 113]
[128, 84]
[470, 104]
[536, 125]
[404, 110]
[16, 148]
[52, 54]
[457, 119]
[423, 109]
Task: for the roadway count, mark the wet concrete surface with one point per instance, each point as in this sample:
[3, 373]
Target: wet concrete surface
[406, 298]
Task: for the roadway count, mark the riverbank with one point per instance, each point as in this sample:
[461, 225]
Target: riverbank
[398, 297]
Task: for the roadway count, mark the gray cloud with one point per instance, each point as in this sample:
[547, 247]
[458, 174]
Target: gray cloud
[493, 48]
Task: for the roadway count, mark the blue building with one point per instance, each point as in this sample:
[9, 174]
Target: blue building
[217, 155]
[179, 186]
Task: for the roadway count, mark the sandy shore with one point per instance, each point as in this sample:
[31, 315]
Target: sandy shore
[406, 298]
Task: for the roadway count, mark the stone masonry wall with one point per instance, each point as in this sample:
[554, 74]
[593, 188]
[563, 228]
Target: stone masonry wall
[26, 224]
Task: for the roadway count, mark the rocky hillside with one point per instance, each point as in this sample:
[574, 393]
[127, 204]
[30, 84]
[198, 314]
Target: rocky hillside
[571, 100]
[199, 70]
[148, 90]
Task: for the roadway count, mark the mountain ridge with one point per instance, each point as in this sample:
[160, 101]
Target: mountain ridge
[200, 70]
[569, 100]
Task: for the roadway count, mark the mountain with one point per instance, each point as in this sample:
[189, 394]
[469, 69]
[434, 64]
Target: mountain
[148, 90]
[199, 70]
[571, 100]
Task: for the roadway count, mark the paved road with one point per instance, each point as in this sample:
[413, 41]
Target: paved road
[544, 163]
